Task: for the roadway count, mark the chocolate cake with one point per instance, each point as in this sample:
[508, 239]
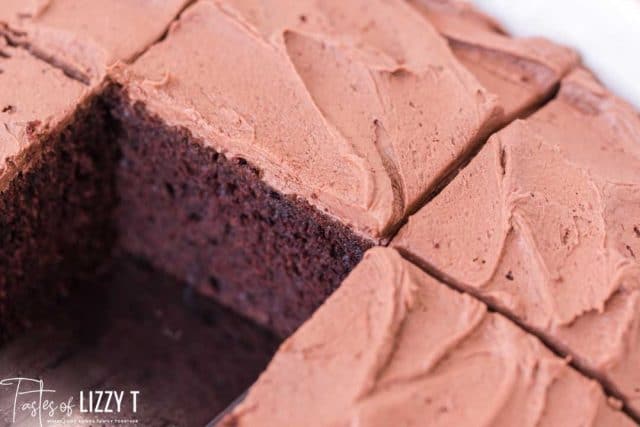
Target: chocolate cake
[556, 246]
[353, 144]
[267, 205]
[55, 185]
[323, 183]
[407, 350]
[57, 153]
[256, 149]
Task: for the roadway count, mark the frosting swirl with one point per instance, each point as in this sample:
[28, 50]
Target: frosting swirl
[543, 224]
[392, 346]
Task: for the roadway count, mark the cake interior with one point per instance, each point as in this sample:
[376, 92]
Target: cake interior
[212, 222]
[55, 217]
[132, 327]
[117, 179]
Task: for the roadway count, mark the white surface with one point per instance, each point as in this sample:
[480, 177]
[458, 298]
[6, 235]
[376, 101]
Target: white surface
[606, 33]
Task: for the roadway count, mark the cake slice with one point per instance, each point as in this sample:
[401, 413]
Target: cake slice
[269, 143]
[358, 110]
[544, 225]
[58, 143]
[56, 184]
[522, 72]
[87, 37]
[392, 346]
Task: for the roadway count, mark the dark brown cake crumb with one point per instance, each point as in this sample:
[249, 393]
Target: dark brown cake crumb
[212, 222]
[55, 217]
[116, 176]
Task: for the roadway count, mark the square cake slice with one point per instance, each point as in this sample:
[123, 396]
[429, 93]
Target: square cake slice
[544, 225]
[267, 144]
[357, 107]
[393, 346]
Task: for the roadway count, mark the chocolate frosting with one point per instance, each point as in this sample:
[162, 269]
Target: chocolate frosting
[359, 107]
[34, 98]
[392, 346]
[521, 71]
[545, 224]
[89, 36]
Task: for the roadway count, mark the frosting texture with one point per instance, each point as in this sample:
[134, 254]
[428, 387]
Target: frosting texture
[522, 72]
[545, 224]
[88, 36]
[359, 107]
[392, 346]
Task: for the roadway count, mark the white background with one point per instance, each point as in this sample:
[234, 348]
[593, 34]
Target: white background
[606, 33]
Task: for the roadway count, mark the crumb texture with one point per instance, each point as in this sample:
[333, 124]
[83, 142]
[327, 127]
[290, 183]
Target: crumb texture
[212, 222]
[55, 217]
